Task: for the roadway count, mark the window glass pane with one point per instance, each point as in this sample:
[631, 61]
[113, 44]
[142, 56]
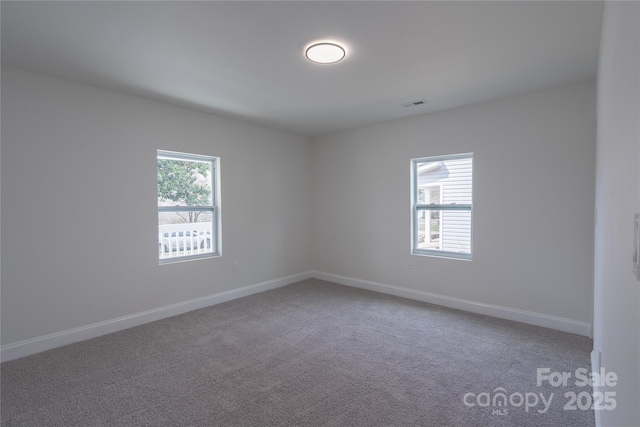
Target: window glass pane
[444, 230]
[185, 233]
[447, 181]
[184, 182]
[429, 230]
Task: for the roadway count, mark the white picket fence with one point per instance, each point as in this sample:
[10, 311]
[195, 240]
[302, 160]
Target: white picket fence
[177, 240]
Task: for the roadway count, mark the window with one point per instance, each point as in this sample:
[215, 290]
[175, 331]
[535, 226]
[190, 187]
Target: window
[442, 194]
[188, 213]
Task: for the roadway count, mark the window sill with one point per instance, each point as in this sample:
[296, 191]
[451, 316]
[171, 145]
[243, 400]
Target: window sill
[442, 254]
[188, 258]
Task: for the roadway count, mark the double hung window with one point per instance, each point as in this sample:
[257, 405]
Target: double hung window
[442, 206]
[188, 217]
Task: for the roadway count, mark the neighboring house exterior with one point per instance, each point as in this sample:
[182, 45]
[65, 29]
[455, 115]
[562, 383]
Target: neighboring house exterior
[446, 182]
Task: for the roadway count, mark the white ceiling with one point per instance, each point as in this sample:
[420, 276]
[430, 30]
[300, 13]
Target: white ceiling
[245, 60]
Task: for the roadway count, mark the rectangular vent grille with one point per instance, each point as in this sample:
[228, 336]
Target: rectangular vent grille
[415, 103]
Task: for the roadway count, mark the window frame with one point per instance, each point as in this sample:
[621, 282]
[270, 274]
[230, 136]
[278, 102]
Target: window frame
[416, 208]
[214, 208]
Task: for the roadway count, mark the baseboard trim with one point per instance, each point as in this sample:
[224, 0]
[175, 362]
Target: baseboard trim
[532, 318]
[36, 345]
[59, 339]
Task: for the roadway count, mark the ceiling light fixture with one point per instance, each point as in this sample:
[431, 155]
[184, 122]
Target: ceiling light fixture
[325, 53]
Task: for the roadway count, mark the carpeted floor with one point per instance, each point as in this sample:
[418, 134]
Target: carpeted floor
[309, 354]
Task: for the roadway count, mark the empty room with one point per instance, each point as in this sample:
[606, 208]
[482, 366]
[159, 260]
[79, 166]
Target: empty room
[320, 213]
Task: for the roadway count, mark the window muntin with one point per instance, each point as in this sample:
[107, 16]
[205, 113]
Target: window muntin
[188, 214]
[442, 194]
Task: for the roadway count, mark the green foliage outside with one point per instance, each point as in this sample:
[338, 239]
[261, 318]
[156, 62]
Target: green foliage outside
[182, 182]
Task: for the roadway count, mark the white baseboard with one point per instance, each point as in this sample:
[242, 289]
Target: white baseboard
[58, 339]
[532, 318]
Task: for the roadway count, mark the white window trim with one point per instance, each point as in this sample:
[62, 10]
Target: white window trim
[216, 217]
[415, 208]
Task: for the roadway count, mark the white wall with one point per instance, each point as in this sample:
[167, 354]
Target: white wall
[534, 161]
[79, 214]
[79, 219]
[617, 292]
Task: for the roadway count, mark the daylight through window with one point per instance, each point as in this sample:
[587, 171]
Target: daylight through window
[442, 190]
[187, 206]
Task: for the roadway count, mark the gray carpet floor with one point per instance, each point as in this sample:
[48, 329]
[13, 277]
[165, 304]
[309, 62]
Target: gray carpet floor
[310, 354]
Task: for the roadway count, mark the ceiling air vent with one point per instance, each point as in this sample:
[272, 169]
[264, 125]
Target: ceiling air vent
[415, 103]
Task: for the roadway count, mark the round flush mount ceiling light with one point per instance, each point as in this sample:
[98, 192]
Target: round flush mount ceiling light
[325, 53]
